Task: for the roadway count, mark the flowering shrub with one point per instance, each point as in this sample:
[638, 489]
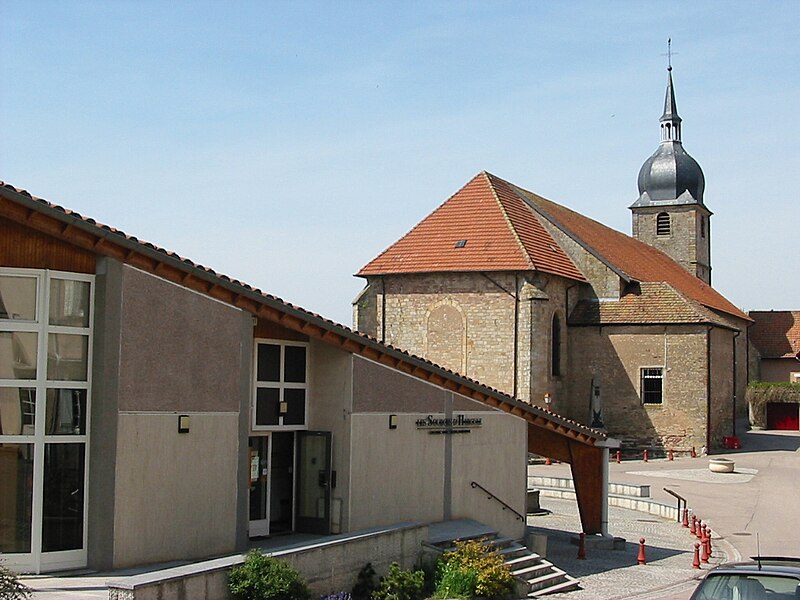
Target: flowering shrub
[473, 569]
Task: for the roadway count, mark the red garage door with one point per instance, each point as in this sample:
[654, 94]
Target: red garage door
[782, 415]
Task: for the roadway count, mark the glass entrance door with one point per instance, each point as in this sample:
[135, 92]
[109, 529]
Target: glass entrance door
[314, 482]
[259, 486]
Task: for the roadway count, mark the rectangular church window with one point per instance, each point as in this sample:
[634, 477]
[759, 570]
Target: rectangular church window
[652, 385]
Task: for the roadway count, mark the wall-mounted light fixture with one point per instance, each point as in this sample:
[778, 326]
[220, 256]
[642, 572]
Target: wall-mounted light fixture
[284, 408]
[392, 421]
[183, 423]
[548, 400]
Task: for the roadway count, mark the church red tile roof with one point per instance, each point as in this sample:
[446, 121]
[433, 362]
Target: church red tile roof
[637, 260]
[502, 233]
[485, 226]
[776, 333]
[646, 303]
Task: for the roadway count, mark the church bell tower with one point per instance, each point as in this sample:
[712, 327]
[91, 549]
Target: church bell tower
[670, 214]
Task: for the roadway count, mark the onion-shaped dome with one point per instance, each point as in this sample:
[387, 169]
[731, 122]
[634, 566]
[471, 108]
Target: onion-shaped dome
[670, 175]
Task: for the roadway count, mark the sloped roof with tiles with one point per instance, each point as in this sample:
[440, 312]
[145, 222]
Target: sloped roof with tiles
[635, 260]
[485, 226]
[501, 226]
[646, 303]
[776, 333]
[19, 206]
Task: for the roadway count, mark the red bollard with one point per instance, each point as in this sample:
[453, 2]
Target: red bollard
[547, 461]
[708, 540]
[696, 561]
[619, 457]
[582, 546]
[704, 548]
[694, 452]
[645, 455]
[670, 456]
[693, 530]
[685, 517]
[641, 558]
[699, 532]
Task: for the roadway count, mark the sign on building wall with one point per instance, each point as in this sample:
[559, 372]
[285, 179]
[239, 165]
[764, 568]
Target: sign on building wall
[442, 425]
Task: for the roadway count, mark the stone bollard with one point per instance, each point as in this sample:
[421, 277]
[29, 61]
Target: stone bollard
[699, 533]
[696, 561]
[582, 546]
[619, 457]
[547, 461]
[641, 558]
[693, 530]
[685, 517]
[694, 452]
[645, 455]
[704, 547]
[670, 455]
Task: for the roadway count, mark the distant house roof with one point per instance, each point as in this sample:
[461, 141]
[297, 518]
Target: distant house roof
[485, 226]
[500, 223]
[775, 333]
[19, 206]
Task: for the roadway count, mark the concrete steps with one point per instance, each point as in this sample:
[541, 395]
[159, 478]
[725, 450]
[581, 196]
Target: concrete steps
[622, 495]
[534, 575]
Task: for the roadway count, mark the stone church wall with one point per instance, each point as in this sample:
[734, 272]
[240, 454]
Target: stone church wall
[466, 322]
[613, 357]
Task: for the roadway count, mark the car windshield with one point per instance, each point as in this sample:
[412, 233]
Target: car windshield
[751, 586]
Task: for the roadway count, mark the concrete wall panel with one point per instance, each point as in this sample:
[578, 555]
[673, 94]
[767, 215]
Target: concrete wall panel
[180, 350]
[179, 498]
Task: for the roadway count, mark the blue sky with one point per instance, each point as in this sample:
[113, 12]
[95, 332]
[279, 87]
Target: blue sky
[287, 143]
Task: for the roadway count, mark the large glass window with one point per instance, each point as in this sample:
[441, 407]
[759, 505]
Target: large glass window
[16, 501]
[45, 392]
[18, 297]
[281, 385]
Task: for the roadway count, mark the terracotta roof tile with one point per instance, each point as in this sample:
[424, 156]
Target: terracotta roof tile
[499, 230]
[639, 261]
[776, 333]
[646, 303]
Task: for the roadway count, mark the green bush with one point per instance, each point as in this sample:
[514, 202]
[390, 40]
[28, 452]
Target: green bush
[10, 586]
[473, 569]
[262, 577]
[401, 585]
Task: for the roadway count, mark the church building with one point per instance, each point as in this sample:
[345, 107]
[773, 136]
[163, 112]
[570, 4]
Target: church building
[622, 333]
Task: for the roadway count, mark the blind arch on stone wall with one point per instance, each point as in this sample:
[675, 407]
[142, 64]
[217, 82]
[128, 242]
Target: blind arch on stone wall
[445, 336]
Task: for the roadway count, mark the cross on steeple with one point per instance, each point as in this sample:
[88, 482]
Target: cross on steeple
[669, 54]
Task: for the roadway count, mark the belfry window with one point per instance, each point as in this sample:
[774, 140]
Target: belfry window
[663, 224]
[702, 227]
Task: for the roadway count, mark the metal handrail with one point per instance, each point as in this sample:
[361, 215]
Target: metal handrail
[491, 496]
[680, 499]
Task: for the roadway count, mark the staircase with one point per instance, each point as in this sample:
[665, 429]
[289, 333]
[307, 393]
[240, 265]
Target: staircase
[535, 576]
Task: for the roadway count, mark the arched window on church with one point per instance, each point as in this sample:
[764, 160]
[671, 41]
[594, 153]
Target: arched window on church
[555, 340]
[662, 224]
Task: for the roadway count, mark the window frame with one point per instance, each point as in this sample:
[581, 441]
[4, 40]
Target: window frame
[38, 559]
[643, 376]
[280, 385]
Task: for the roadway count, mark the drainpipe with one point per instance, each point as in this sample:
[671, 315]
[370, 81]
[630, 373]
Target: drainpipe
[383, 309]
[735, 383]
[708, 388]
[516, 333]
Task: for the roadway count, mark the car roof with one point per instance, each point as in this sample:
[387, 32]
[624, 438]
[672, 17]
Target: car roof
[767, 565]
